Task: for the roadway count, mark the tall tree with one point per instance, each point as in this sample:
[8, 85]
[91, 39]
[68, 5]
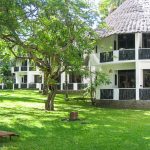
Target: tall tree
[107, 6]
[6, 76]
[55, 34]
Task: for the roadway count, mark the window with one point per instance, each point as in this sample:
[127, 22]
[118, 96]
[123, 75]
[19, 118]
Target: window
[74, 78]
[146, 78]
[126, 41]
[115, 79]
[37, 79]
[146, 40]
[126, 78]
[24, 79]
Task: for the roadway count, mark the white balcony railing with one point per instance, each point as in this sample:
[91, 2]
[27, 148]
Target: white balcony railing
[117, 55]
[71, 86]
[123, 55]
[24, 68]
[118, 94]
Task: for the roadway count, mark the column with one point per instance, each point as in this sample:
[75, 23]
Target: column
[75, 86]
[137, 69]
[62, 80]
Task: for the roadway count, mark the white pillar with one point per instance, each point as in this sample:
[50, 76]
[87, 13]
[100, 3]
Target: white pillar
[137, 79]
[75, 86]
[28, 79]
[62, 80]
[28, 64]
[116, 94]
[137, 45]
[19, 85]
[2, 86]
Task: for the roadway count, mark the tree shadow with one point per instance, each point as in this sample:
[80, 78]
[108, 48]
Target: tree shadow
[98, 128]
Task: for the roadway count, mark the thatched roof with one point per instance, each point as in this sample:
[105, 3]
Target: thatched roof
[131, 17]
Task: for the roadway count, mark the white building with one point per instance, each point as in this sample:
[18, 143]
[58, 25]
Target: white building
[29, 76]
[123, 52]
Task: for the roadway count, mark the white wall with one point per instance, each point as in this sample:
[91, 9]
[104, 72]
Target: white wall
[143, 65]
[111, 70]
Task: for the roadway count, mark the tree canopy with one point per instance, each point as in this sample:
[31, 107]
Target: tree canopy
[107, 6]
[55, 34]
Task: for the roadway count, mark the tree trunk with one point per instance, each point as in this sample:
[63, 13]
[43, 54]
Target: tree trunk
[91, 88]
[92, 97]
[66, 87]
[49, 104]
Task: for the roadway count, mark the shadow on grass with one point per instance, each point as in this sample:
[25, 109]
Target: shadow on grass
[21, 99]
[97, 128]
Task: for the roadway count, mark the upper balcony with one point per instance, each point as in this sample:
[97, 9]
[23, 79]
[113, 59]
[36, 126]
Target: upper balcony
[24, 68]
[123, 48]
[124, 55]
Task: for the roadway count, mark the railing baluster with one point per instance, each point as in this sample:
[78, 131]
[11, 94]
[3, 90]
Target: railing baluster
[106, 57]
[144, 94]
[127, 94]
[144, 53]
[106, 94]
[127, 54]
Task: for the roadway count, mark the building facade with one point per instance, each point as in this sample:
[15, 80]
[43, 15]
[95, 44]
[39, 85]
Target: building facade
[123, 52]
[28, 76]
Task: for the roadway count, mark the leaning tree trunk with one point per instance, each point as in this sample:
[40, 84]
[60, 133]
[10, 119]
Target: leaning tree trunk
[49, 104]
[91, 88]
[66, 87]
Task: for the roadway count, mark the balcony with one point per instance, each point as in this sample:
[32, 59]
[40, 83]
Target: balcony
[145, 94]
[144, 53]
[117, 55]
[81, 86]
[106, 94]
[127, 94]
[23, 68]
[106, 57]
[71, 86]
[124, 94]
[128, 54]
[32, 85]
[124, 55]
[16, 69]
[23, 86]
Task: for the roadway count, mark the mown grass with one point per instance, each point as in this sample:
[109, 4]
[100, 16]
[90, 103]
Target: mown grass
[98, 129]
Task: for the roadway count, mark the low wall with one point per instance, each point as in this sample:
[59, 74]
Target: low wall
[133, 104]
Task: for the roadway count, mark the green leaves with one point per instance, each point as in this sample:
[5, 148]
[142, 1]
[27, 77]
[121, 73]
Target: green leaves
[107, 6]
[53, 33]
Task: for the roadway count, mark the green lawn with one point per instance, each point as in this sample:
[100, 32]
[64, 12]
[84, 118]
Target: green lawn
[98, 129]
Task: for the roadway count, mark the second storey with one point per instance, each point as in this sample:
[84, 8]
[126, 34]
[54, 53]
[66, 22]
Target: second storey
[122, 48]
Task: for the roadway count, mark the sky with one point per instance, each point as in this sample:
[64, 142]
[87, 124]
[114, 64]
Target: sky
[95, 2]
[95, 5]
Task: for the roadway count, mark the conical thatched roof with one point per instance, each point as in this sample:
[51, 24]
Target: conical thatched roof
[131, 17]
